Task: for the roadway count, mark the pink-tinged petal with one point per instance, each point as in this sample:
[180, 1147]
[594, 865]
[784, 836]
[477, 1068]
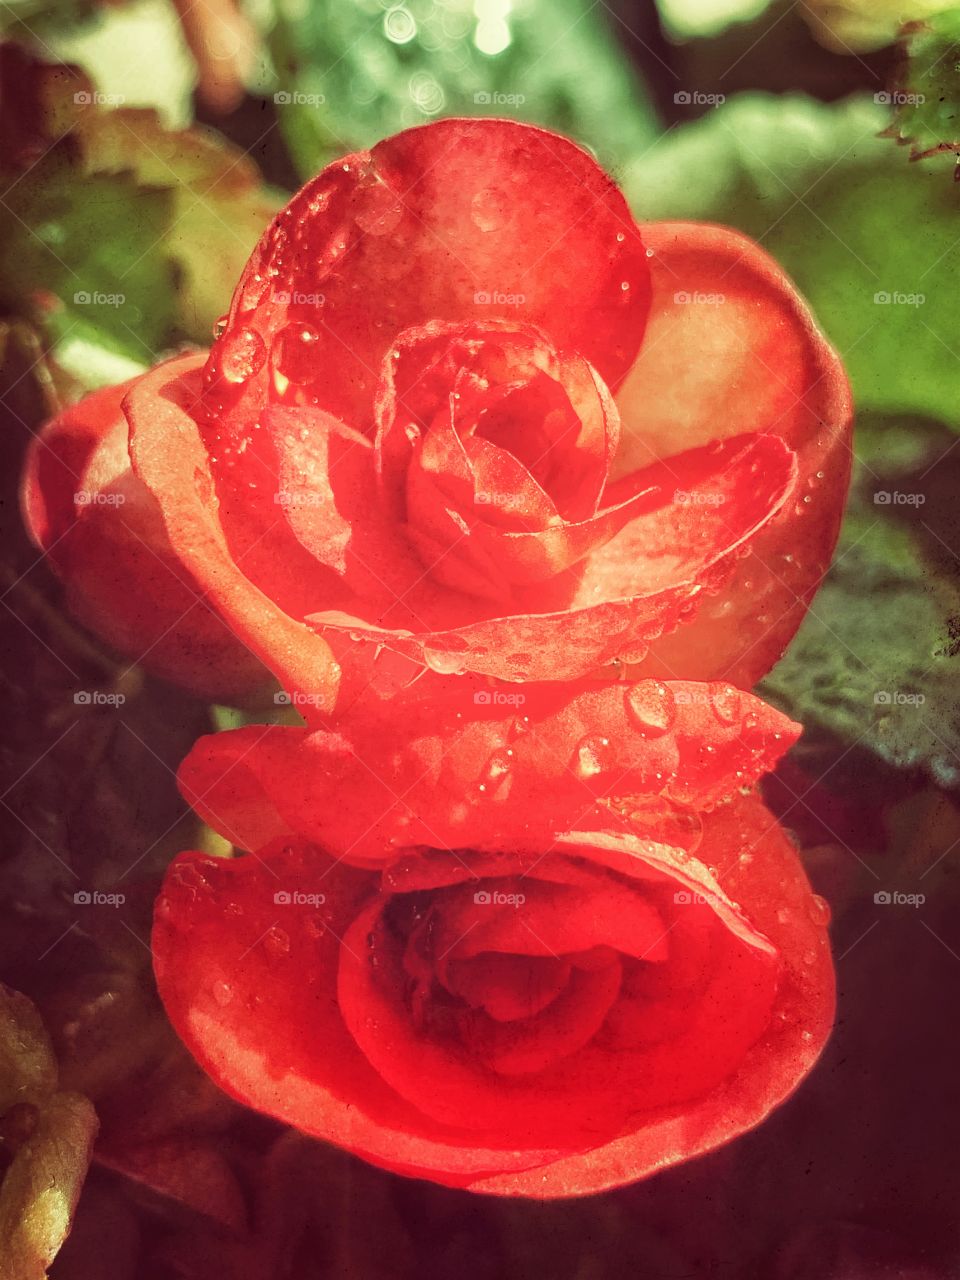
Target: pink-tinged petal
[456, 220]
[647, 579]
[169, 459]
[732, 347]
[334, 1048]
[469, 767]
[104, 536]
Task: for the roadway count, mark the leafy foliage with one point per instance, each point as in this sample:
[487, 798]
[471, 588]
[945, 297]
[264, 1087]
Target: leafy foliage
[868, 237]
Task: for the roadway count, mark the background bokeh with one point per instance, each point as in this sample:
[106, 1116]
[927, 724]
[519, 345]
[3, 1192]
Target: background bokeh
[143, 147]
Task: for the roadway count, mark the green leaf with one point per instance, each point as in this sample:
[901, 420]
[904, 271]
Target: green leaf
[877, 659]
[118, 238]
[926, 97]
[350, 74]
[46, 1140]
[869, 238]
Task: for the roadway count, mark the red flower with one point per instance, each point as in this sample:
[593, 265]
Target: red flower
[504, 952]
[406, 435]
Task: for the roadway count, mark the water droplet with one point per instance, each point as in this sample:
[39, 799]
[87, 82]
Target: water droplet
[818, 909]
[277, 942]
[520, 726]
[379, 209]
[725, 701]
[652, 707]
[624, 285]
[399, 26]
[242, 355]
[620, 237]
[489, 209]
[294, 356]
[591, 756]
[222, 993]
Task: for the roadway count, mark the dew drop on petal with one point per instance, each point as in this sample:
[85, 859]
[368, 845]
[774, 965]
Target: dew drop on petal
[222, 993]
[293, 357]
[277, 942]
[591, 756]
[488, 209]
[651, 707]
[818, 909]
[242, 355]
[725, 701]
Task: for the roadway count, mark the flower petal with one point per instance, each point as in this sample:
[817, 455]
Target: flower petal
[263, 991]
[456, 776]
[169, 459]
[648, 577]
[455, 220]
[102, 531]
[752, 359]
